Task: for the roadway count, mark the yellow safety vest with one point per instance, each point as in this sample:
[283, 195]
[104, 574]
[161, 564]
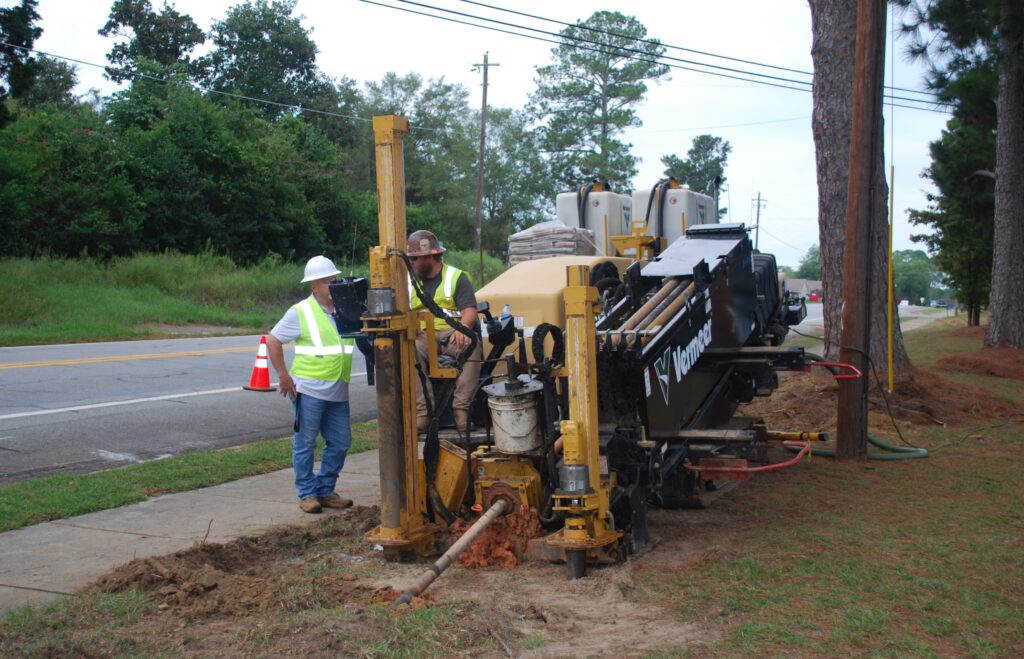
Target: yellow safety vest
[320, 354]
[444, 296]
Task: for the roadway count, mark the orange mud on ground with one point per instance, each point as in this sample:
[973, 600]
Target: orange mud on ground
[503, 543]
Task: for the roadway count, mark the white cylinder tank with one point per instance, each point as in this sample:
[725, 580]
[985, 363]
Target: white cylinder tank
[607, 215]
[681, 203]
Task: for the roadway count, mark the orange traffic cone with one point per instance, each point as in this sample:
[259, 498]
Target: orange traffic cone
[260, 379]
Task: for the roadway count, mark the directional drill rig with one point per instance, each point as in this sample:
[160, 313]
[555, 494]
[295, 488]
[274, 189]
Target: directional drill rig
[611, 389]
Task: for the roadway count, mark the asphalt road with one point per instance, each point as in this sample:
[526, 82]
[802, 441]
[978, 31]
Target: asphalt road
[83, 407]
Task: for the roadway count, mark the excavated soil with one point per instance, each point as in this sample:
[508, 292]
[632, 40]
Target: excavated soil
[217, 600]
[920, 397]
[254, 574]
[503, 543]
[995, 362]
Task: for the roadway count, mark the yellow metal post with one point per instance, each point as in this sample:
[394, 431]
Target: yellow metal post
[403, 527]
[582, 494]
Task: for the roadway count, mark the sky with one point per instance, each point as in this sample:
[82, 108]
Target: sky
[769, 128]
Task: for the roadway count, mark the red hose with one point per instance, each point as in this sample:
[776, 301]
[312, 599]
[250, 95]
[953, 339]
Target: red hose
[806, 448]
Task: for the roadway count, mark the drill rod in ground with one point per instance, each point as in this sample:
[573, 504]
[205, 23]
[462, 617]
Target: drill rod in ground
[499, 508]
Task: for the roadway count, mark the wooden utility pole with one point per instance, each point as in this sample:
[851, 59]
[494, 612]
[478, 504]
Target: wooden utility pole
[852, 421]
[757, 223]
[480, 170]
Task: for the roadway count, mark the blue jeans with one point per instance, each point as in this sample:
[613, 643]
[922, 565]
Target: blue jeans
[330, 419]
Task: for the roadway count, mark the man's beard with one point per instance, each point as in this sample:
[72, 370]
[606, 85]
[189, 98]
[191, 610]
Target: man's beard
[423, 269]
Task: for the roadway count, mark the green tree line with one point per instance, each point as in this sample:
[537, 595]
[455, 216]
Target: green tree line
[250, 149]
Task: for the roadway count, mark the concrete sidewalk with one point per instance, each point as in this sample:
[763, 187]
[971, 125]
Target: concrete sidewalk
[44, 562]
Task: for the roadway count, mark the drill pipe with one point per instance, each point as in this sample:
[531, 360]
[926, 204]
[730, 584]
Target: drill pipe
[500, 507]
[647, 307]
[660, 309]
[672, 308]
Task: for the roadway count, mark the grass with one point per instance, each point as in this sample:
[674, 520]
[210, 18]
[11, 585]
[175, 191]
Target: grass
[62, 496]
[77, 300]
[96, 616]
[920, 558]
[933, 341]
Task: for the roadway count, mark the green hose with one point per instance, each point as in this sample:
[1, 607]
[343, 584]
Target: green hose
[895, 452]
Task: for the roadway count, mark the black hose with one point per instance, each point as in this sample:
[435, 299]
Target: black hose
[662, 193]
[557, 351]
[650, 201]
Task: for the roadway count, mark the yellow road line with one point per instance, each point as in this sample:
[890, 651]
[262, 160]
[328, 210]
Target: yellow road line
[124, 358]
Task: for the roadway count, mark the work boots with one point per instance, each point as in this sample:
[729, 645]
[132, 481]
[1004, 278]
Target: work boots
[310, 505]
[335, 500]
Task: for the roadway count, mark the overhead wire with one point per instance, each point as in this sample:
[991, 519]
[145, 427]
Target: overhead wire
[595, 46]
[743, 125]
[264, 101]
[195, 85]
[667, 45]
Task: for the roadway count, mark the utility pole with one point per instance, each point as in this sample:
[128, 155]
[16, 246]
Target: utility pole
[761, 203]
[480, 169]
[852, 417]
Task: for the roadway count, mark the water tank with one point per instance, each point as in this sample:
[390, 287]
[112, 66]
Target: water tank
[607, 214]
[681, 203]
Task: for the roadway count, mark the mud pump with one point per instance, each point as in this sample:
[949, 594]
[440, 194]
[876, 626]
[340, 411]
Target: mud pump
[611, 387]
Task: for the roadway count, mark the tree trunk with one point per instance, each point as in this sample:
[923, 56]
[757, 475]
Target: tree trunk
[834, 25]
[1006, 303]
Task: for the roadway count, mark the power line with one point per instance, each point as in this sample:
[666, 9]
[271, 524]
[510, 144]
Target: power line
[146, 76]
[804, 88]
[599, 44]
[667, 57]
[666, 45]
[648, 41]
[743, 125]
[791, 246]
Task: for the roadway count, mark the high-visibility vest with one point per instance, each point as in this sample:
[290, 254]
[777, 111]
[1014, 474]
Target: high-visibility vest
[320, 354]
[444, 296]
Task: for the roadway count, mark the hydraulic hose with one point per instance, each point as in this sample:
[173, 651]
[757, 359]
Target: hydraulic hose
[895, 452]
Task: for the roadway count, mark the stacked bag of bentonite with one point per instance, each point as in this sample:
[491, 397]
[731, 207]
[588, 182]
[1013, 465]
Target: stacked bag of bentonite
[549, 239]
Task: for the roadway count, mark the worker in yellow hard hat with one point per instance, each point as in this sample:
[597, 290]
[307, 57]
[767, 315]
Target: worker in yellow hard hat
[318, 385]
[452, 290]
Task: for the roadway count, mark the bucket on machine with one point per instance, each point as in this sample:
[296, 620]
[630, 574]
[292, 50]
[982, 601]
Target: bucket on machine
[514, 417]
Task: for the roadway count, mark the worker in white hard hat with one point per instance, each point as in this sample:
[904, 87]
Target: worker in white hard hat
[452, 290]
[318, 386]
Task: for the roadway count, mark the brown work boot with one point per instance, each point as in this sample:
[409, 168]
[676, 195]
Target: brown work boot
[334, 500]
[422, 423]
[461, 420]
[310, 505]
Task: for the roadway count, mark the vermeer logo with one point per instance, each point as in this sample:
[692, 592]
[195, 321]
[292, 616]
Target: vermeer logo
[682, 358]
[661, 366]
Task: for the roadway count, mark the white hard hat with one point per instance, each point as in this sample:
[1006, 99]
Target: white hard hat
[319, 267]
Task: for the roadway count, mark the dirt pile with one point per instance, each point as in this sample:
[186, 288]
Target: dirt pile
[995, 362]
[920, 397]
[503, 543]
[255, 574]
[386, 595]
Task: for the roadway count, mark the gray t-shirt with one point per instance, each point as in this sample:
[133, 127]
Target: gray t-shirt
[286, 331]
